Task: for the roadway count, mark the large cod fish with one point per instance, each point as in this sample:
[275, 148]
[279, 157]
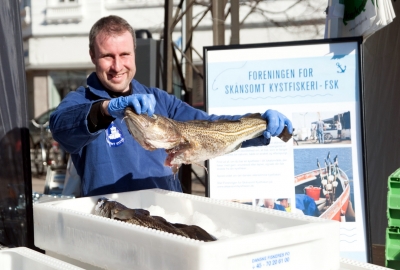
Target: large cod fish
[193, 142]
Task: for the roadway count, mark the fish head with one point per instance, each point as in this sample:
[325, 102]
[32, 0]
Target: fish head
[105, 207]
[152, 132]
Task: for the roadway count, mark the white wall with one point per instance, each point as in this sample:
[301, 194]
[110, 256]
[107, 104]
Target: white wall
[59, 52]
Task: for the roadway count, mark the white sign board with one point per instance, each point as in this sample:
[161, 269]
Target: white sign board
[316, 84]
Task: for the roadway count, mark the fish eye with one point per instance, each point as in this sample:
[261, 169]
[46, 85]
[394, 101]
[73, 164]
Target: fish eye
[99, 205]
[101, 202]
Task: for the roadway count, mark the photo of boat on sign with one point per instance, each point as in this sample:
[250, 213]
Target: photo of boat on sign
[324, 183]
[319, 128]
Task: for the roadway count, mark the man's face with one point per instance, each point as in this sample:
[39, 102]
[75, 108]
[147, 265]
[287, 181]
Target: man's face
[114, 58]
[284, 203]
[268, 203]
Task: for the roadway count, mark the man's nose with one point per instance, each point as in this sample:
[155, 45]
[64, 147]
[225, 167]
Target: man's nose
[117, 64]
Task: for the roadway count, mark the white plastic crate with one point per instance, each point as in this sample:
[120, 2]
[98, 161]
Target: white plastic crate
[264, 238]
[23, 258]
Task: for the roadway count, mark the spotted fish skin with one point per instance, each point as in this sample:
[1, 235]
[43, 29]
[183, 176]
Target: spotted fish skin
[192, 142]
[115, 210]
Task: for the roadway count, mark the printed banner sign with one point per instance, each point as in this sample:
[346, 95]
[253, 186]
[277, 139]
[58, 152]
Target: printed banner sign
[319, 172]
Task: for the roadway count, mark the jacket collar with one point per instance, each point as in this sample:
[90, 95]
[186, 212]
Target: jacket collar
[98, 89]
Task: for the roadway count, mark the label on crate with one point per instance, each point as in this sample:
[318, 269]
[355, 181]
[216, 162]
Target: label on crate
[272, 260]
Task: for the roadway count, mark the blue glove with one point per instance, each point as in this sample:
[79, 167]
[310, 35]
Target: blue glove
[276, 122]
[141, 103]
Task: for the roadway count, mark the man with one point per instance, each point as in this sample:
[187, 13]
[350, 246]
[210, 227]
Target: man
[270, 203]
[320, 131]
[285, 203]
[88, 122]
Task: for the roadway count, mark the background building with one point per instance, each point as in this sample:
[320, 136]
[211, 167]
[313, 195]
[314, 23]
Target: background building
[55, 35]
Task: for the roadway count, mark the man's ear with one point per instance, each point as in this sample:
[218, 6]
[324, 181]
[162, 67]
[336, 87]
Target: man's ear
[91, 56]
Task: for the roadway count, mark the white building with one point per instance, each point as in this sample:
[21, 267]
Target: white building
[56, 46]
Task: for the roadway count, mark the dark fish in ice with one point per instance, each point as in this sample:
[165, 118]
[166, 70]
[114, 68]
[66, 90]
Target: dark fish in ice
[193, 142]
[115, 210]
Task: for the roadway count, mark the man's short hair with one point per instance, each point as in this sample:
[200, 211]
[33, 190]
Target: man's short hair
[110, 25]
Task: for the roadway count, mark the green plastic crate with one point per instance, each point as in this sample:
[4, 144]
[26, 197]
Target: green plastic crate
[394, 182]
[392, 247]
[393, 209]
[393, 199]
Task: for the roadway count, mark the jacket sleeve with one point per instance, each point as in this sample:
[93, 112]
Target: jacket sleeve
[181, 111]
[68, 123]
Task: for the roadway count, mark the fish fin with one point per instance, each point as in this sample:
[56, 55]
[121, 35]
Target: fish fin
[142, 212]
[198, 233]
[254, 115]
[207, 123]
[179, 225]
[236, 148]
[163, 221]
[160, 219]
[285, 135]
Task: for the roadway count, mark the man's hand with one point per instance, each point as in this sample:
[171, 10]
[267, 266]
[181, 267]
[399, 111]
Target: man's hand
[141, 103]
[276, 123]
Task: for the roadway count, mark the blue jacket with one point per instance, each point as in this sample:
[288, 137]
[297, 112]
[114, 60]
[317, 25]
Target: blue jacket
[111, 161]
[279, 207]
[307, 204]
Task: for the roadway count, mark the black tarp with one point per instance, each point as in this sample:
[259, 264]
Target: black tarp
[382, 119]
[16, 218]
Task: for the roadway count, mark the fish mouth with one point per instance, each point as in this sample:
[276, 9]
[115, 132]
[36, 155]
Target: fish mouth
[178, 153]
[174, 159]
[176, 156]
[169, 159]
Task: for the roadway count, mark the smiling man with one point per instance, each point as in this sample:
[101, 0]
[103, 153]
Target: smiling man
[115, 65]
[88, 122]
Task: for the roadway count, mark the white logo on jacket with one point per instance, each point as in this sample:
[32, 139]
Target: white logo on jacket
[114, 136]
